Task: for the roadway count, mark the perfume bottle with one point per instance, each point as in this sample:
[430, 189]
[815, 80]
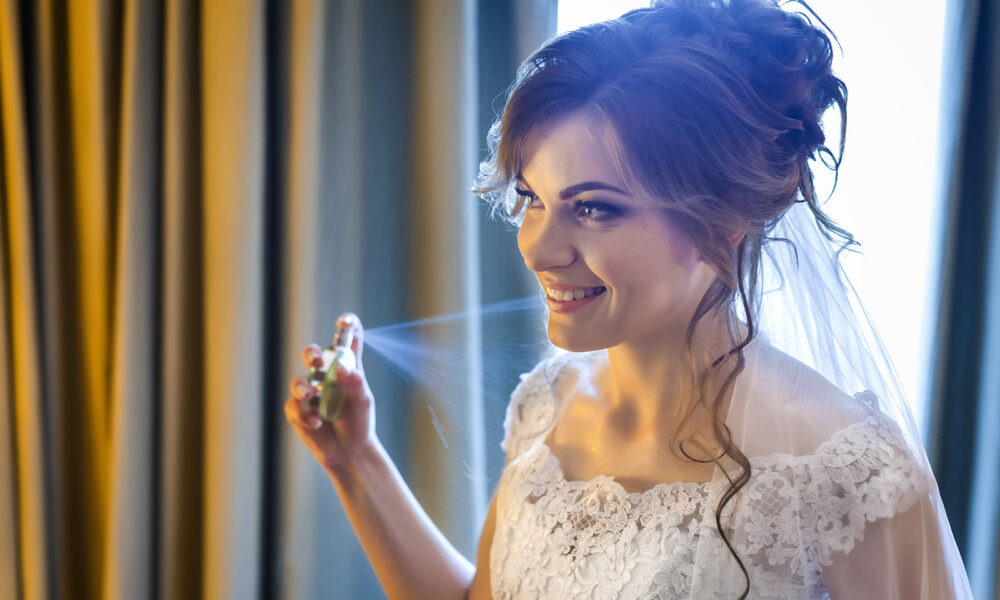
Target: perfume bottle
[331, 394]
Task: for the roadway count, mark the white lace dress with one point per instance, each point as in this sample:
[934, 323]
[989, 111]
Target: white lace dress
[591, 539]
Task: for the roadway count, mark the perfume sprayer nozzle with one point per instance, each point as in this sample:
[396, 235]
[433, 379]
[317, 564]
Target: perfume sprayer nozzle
[343, 337]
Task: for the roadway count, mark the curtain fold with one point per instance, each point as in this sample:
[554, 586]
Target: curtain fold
[306, 79]
[445, 262]
[235, 282]
[191, 192]
[178, 554]
[135, 319]
[26, 527]
[963, 444]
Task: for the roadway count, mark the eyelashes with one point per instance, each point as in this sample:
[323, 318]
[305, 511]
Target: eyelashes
[596, 210]
[586, 209]
[526, 194]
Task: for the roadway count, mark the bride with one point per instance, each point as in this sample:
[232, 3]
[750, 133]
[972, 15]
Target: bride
[716, 423]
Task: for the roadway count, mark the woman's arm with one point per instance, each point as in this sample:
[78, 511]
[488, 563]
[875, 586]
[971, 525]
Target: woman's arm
[410, 555]
[900, 558]
[480, 589]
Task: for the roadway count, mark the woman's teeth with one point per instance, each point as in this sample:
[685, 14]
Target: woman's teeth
[567, 295]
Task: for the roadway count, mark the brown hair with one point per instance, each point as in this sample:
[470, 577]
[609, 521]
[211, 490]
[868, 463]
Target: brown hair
[716, 109]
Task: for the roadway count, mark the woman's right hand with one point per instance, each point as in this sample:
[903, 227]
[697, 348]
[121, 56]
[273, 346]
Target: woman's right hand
[334, 443]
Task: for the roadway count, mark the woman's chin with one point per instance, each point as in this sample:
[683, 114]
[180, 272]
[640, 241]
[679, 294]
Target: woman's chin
[573, 343]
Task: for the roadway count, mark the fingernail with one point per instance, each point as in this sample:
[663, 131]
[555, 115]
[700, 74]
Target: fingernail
[316, 422]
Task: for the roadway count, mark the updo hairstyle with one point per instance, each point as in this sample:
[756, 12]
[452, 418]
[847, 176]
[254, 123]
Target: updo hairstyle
[716, 108]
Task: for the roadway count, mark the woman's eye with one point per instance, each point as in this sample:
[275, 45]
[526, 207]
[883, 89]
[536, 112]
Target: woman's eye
[530, 199]
[596, 211]
[585, 209]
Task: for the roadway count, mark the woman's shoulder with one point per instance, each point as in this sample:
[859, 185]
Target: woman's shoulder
[782, 405]
[534, 402]
[530, 408]
[835, 451]
[558, 373]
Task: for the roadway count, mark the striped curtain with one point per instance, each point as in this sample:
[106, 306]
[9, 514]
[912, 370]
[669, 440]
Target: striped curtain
[189, 193]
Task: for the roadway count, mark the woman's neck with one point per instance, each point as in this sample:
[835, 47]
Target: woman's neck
[655, 378]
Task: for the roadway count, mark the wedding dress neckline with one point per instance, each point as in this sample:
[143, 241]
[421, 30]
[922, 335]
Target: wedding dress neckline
[609, 480]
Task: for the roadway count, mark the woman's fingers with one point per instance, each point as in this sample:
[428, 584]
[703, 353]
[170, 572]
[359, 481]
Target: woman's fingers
[312, 356]
[301, 388]
[299, 417]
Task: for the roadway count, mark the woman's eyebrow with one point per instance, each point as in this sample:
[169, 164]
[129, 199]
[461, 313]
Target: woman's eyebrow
[579, 188]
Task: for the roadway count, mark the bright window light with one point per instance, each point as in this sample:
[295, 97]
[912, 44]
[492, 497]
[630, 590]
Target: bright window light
[577, 13]
[890, 189]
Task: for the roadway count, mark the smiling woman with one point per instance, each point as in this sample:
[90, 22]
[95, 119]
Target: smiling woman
[718, 420]
[728, 352]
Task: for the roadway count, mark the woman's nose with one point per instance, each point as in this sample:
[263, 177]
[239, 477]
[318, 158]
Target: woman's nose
[545, 244]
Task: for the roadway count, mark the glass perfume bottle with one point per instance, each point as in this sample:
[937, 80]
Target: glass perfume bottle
[331, 394]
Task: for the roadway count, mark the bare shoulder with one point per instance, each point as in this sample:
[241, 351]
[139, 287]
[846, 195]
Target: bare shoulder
[574, 372]
[783, 405]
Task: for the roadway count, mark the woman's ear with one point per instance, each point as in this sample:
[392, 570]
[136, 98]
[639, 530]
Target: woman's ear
[736, 237]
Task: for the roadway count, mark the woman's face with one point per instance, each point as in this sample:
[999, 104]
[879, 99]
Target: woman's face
[640, 277]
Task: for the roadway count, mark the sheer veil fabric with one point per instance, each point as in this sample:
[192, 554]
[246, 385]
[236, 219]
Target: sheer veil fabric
[822, 375]
[841, 502]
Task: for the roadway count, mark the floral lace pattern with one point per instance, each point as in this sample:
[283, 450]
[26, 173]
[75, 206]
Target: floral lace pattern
[592, 539]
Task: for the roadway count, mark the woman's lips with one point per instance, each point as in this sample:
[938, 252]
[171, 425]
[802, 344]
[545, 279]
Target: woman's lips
[568, 306]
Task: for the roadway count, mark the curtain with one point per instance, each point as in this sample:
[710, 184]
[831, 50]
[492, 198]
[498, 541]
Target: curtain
[191, 192]
[963, 444]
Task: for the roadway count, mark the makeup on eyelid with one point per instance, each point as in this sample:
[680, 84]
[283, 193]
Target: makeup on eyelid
[609, 210]
[579, 188]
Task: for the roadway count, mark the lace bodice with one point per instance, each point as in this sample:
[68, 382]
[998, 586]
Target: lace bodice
[591, 539]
